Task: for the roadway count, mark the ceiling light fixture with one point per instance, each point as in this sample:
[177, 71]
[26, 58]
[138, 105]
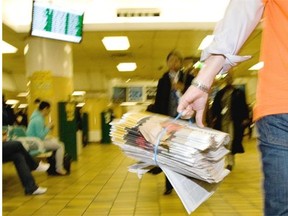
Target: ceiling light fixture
[206, 42]
[78, 93]
[80, 104]
[257, 66]
[126, 66]
[23, 94]
[22, 106]
[26, 49]
[8, 48]
[115, 43]
[12, 102]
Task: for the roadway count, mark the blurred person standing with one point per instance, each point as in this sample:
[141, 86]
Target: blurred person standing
[271, 108]
[190, 67]
[230, 114]
[169, 89]
[171, 85]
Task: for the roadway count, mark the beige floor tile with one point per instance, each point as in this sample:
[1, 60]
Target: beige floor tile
[99, 184]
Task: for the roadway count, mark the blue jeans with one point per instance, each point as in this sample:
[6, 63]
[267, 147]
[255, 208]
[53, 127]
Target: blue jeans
[24, 163]
[273, 144]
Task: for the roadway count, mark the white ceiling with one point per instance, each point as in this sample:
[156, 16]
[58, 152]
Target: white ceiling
[182, 25]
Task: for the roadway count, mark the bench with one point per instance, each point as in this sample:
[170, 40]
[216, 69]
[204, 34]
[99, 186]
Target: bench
[33, 145]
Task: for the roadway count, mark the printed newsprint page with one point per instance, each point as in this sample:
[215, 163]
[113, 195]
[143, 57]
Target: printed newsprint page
[192, 192]
[191, 157]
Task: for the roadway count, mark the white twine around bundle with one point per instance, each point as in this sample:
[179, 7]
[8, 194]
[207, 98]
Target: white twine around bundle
[161, 134]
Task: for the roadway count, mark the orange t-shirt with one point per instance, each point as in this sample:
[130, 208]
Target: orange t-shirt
[272, 92]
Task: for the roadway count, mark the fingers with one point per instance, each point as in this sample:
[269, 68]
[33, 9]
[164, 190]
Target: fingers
[187, 114]
[188, 110]
[182, 106]
[199, 118]
[193, 101]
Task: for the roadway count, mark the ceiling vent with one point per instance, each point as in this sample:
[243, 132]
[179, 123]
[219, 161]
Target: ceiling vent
[121, 55]
[138, 12]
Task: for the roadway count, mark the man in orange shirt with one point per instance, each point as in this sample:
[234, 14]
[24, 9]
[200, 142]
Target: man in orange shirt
[271, 109]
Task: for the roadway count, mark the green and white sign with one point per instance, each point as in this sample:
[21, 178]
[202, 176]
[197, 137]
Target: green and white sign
[56, 23]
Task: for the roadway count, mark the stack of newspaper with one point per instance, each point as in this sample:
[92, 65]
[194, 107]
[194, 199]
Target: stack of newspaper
[191, 157]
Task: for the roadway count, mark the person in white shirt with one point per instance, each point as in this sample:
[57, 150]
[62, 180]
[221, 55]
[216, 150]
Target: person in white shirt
[271, 108]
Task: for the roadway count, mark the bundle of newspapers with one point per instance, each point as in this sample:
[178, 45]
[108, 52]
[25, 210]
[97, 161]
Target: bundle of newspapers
[192, 158]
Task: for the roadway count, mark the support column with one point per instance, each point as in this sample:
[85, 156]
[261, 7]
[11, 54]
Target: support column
[49, 68]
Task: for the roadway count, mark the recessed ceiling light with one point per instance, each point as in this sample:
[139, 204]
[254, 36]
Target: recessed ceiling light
[80, 104]
[116, 43]
[26, 49]
[78, 93]
[126, 66]
[8, 48]
[257, 66]
[12, 102]
[23, 94]
[22, 106]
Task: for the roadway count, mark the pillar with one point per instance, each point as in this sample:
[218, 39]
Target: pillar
[49, 69]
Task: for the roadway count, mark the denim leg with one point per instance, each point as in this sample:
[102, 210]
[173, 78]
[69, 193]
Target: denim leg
[24, 173]
[273, 144]
[13, 146]
[11, 153]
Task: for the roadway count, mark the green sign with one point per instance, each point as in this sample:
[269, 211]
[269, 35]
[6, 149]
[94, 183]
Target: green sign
[56, 23]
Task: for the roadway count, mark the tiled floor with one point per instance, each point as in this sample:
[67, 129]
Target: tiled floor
[100, 185]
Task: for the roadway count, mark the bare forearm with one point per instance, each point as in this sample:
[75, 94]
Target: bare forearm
[211, 68]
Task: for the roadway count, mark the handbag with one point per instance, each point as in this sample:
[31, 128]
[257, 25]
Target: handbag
[52, 161]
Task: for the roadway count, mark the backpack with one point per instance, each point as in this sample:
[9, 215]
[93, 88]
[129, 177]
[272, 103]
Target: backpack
[66, 163]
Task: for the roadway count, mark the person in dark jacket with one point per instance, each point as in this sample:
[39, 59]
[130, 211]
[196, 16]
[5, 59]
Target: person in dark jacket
[230, 114]
[14, 151]
[170, 87]
[8, 115]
